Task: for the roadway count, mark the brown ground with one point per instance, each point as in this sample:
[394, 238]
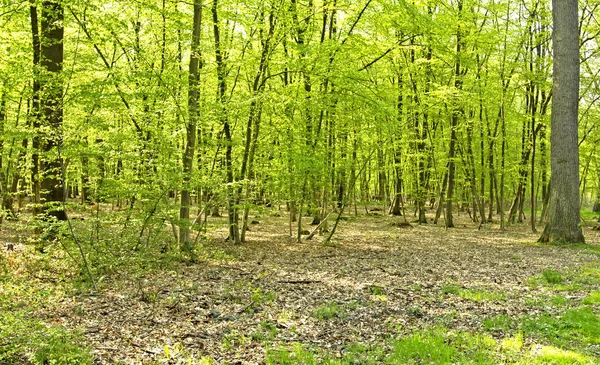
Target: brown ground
[387, 279]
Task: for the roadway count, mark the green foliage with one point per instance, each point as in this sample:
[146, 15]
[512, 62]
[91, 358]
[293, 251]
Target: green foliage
[451, 289]
[441, 346]
[266, 331]
[376, 290]
[24, 338]
[555, 356]
[593, 298]
[552, 276]
[259, 297]
[579, 325]
[234, 340]
[297, 355]
[500, 323]
[475, 295]
[328, 311]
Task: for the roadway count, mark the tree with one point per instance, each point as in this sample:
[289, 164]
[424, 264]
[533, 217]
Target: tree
[563, 220]
[190, 146]
[51, 104]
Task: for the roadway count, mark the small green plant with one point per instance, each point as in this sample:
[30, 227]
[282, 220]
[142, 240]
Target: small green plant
[328, 311]
[451, 289]
[376, 290]
[552, 276]
[559, 300]
[500, 323]
[593, 298]
[296, 355]
[576, 326]
[552, 355]
[481, 295]
[234, 340]
[266, 331]
[415, 311]
[442, 346]
[259, 297]
[475, 295]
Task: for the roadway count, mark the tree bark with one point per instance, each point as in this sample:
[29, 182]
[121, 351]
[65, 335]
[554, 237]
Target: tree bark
[191, 127]
[453, 127]
[596, 208]
[564, 218]
[51, 87]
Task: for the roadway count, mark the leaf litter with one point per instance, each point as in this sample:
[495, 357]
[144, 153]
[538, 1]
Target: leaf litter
[375, 283]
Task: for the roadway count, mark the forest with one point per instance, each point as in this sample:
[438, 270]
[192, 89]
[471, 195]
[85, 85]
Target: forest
[299, 182]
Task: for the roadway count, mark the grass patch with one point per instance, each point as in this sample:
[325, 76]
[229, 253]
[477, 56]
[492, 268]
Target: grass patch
[441, 346]
[552, 276]
[26, 340]
[500, 323]
[578, 326]
[556, 356]
[352, 354]
[593, 298]
[329, 311]
[266, 331]
[475, 295]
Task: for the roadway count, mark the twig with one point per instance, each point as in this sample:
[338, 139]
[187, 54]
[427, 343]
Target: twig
[299, 281]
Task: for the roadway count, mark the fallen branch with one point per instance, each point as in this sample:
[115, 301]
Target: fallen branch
[298, 281]
[312, 234]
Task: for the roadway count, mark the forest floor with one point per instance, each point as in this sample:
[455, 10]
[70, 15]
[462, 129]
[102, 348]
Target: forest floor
[377, 294]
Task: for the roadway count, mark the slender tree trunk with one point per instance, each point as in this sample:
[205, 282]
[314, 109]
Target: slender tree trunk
[191, 127]
[596, 207]
[396, 207]
[4, 193]
[453, 126]
[564, 218]
[35, 108]
[232, 209]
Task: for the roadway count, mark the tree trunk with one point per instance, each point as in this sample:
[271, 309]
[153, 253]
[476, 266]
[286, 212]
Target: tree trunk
[232, 209]
[191, 128]
[51, 51]
[596, 207]
[453, 127]
[35, 108]
[564, 218]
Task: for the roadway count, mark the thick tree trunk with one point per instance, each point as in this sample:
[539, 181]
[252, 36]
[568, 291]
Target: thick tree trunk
[51, 51]
[191, 128]
[564, 218]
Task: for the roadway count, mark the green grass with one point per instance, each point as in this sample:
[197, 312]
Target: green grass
[552, 276]
[593, 298]
[329, 310]
[578, 327]
[500, 323]
[441, 346]
[24, 339]
[475, 295]
[433, 346]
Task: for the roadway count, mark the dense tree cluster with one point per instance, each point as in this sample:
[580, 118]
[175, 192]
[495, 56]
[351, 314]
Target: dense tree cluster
[165, 106]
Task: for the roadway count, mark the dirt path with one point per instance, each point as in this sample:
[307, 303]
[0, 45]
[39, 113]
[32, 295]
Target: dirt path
[377, 281]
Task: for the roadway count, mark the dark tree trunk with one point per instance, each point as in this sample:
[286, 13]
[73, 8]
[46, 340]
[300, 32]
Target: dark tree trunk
[453, 126]
[35, 107]
[563, 218]
[191, 127]
[52, 33]
[232, 209]
[596, 208]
